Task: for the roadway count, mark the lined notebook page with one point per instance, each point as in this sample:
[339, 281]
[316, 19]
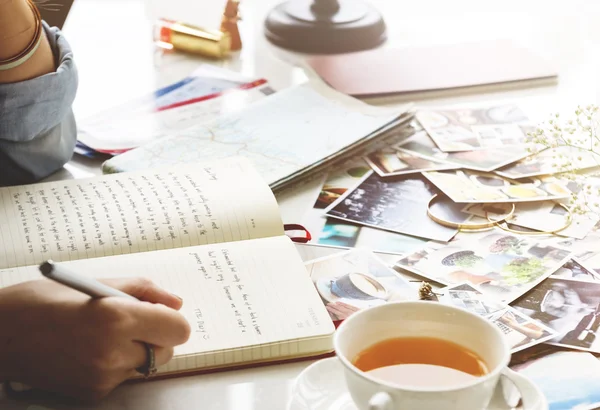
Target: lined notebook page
[135, 212]
[239, 294]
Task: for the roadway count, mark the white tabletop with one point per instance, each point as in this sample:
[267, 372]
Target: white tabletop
[116, 60]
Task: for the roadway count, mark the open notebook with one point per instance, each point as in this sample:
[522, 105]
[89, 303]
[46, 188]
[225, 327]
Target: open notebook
[210, 233]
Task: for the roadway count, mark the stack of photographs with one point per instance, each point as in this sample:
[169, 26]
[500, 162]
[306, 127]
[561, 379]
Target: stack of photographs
[520, 330]
[395, 205]
[503, 266]
[468, 129]
[569, 306]
[410, 196]
[353, 280]
[545, 163]
[468, 155]
[484, 160]
[393, 163]
[476, 187]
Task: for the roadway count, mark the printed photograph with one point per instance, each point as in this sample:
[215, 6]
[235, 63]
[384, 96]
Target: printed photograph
[466, 296]
[311, 251]
[499, 135]
[591, 261]
[472, 187]
[521, 331]
[336, 233]
[395, 204]
[586, 251]
[574, 387]
[467, 129]
[354, 280]
[340, 233]
[546, 163]
[340, 180]
[574, 270]
[570, 307]
[484, 160]
[350, 172]
[502, 266]
[394, 163]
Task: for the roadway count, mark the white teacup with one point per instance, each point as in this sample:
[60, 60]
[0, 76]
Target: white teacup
[428, 319]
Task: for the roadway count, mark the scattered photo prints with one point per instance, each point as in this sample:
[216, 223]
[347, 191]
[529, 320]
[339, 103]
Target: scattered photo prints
[354, 280]
[547, 216]
[574, 270]
[466, 296]
[591, 261]
[585, 251]
[546, 163]
[339, 181]
[467, 129]
[484, 160]
[310, 251]
[569, 380]
[502, 266]
[342, 234]
[349, 173]
[474, 187]
[520, 331]
[395, 204]
[392, 163]
[571, 307]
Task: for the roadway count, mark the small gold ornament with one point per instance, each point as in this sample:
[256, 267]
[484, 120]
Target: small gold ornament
[426, 292]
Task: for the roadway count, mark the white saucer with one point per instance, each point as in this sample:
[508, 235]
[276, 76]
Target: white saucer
[321, 386]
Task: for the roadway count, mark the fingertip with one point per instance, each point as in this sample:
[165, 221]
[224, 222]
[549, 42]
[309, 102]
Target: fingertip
[187, 331]
[160, 325]
[169, 300]
[177, 302]
[179, 328]
[148, 291]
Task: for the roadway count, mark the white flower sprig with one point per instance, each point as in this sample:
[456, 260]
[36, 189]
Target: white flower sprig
[573, 141]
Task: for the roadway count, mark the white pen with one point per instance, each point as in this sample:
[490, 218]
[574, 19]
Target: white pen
[89, 286]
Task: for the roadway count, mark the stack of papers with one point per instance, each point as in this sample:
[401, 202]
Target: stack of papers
[288, 135]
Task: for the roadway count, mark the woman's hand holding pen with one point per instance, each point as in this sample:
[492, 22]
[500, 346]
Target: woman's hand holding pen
[58, 339]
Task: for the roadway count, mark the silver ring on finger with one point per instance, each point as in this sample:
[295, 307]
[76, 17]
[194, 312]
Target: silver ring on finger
[149, 368]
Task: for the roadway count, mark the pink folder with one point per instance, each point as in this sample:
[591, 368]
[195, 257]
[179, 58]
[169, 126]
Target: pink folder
[436, 68]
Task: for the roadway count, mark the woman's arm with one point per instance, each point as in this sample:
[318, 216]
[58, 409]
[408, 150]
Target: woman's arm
[37, 127]
[17, 29]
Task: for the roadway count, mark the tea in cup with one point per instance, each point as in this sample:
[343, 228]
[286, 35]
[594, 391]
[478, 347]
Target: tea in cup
[426, 356]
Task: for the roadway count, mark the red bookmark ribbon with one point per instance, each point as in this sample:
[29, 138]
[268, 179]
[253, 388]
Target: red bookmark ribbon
[295, 227]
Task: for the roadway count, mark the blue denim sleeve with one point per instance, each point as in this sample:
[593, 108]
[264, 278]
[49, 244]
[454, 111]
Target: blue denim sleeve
[37, 126]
